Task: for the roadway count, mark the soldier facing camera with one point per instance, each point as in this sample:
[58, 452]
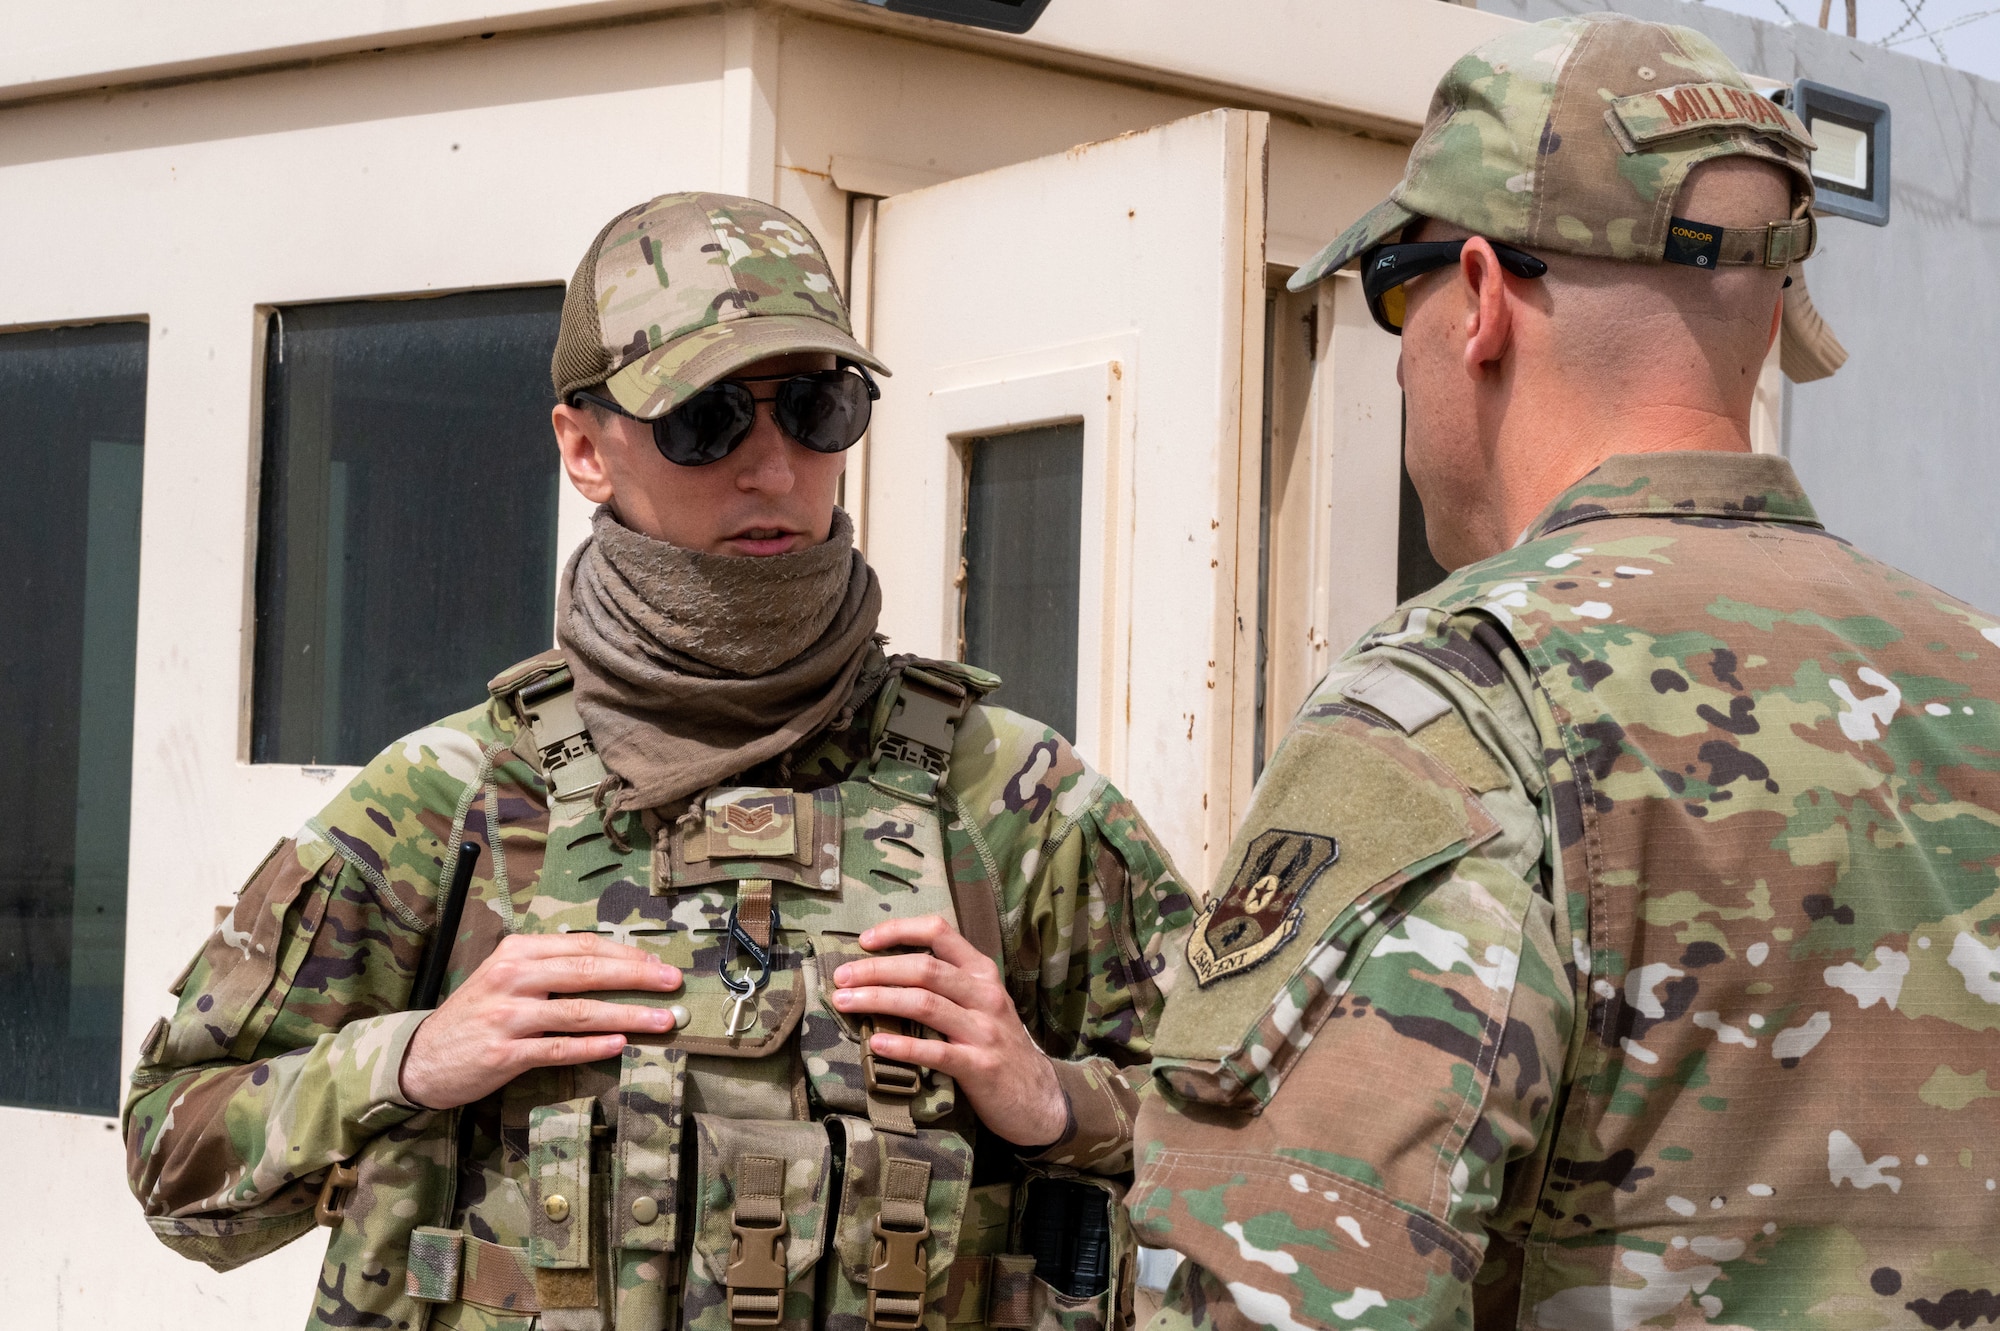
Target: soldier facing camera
[782, 979]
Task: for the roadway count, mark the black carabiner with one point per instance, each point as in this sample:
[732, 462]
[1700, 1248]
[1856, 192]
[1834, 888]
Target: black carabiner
[739, 937]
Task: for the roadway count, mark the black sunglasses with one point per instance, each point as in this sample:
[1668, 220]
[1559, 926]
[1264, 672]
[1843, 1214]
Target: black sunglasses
[825, 410]
[1387, 267]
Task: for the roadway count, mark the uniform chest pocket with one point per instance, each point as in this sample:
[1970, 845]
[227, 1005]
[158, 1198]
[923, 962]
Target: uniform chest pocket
[1347, 813]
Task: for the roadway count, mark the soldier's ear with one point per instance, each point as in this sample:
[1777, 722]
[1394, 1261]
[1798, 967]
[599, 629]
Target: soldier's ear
[579, 435]
[1489, 320]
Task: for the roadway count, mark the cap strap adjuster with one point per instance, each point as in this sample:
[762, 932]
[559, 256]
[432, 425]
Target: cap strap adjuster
[1782, 241]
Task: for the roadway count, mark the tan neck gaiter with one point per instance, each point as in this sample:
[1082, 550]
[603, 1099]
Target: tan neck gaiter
[693, 667]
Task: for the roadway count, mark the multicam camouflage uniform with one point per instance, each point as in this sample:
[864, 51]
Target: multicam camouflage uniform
[282, 1059]
[1614, 941]
[755, 1167]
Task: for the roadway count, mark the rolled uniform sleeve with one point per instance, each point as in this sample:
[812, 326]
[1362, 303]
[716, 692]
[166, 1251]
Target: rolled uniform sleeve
[1354, 1113]
[266, 1074]
[285, 1051]
[1091, 912]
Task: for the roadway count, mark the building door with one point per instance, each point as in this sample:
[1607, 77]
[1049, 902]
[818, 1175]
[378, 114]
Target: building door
[1062, 482]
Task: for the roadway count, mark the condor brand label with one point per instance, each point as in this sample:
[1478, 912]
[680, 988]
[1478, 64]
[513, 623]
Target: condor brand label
[1696, 244]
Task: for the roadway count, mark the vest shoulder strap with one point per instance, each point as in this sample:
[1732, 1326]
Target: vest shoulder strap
[917, 716]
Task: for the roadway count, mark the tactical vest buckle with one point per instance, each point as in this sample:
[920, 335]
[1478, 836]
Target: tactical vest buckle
[547, 709]
[886, 1076]
[756, 1276]
[923, 724]
[898, 1276]
[757, 1231]
[332, 1206]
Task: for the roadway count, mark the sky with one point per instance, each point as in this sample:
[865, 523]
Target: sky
[1964, 34]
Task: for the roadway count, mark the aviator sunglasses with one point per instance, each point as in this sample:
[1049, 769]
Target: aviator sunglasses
[1388, 267]
[825, 410]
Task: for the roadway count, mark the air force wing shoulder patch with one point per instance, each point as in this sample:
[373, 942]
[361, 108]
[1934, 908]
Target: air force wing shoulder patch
[1260, 911]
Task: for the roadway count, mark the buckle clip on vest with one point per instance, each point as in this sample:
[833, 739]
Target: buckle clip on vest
[911, 759]
[899, 1273]
[745, 987]
[570, 764]
[756, 1276]
[918, 735]
[332, 1207]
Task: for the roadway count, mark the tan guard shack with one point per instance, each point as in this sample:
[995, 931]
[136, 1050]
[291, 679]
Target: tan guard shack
[1073, 241]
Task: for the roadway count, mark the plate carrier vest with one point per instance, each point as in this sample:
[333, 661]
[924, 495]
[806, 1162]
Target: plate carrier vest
[757, 1166]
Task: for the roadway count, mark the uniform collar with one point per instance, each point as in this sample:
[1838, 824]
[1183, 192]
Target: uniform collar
[1745, 487]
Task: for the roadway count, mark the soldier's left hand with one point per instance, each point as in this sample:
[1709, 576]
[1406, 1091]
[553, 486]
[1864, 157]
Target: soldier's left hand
[956, 990]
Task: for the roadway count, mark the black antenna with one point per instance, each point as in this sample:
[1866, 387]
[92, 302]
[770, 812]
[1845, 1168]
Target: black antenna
[437, 953]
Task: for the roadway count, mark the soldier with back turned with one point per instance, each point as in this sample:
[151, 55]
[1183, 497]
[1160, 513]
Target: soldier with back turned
[1614, 941]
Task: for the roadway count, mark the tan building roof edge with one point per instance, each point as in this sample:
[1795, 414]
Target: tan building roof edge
[1367, 63]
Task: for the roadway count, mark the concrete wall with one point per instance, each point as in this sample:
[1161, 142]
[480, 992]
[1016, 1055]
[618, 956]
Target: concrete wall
[1899, 449]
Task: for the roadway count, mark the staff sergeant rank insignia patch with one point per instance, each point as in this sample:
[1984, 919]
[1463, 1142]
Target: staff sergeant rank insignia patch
[1260, 911]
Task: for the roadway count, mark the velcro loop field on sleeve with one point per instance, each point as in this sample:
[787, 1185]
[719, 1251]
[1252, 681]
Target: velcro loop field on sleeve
[1398, 695]
[1346, 814]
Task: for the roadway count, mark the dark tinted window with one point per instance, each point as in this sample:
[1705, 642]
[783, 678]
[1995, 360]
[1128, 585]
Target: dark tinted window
[406, 532]
[72, 421]
[1023, 542]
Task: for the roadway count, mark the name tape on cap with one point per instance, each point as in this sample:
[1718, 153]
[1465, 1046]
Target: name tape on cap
[1689, 108]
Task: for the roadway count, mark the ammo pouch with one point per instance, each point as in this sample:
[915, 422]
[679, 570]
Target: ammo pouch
[760, 1219]
[772, 1198]
[1071, 1264]
[902, 1202]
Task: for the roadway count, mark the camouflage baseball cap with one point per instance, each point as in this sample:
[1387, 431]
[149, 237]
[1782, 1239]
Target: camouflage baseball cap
[683, 290]
[1576, 134]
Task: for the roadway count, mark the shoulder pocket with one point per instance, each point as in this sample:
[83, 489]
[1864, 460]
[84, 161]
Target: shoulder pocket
[1348, 812]
[243, 957]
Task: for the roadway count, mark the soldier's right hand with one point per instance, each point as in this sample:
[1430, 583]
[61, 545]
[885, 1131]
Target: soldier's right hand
[512, 1014]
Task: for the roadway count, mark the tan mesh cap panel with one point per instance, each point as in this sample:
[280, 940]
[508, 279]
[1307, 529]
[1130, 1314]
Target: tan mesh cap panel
[580, 359]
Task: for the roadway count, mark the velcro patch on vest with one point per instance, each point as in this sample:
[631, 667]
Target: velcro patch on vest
[1695, 244]
[752, 821]
[1693, 108]
[740, 832]
[1260, 912]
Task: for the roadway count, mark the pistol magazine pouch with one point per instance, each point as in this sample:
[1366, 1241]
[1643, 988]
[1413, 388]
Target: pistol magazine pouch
[560, 1205]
